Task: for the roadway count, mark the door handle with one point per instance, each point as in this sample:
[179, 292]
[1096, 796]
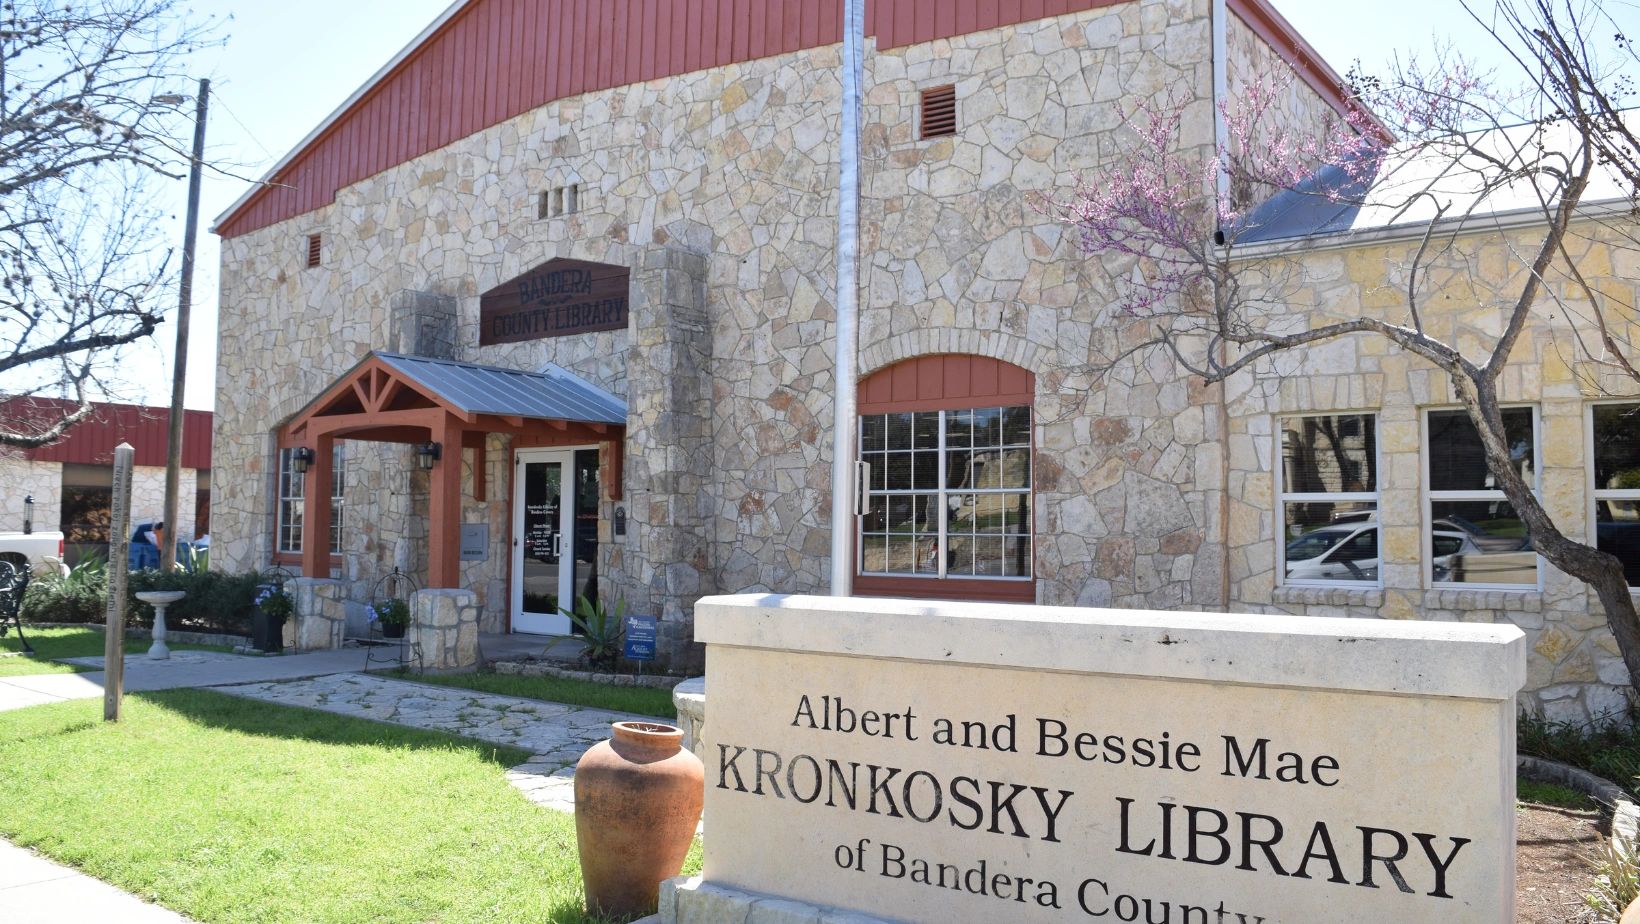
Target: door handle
[557, 545]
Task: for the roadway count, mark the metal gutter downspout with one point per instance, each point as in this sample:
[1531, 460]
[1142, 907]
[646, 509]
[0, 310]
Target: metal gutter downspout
[845, 421]
[1221, 141]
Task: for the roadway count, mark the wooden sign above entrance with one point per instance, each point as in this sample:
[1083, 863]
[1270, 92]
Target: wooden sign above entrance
[558, 297]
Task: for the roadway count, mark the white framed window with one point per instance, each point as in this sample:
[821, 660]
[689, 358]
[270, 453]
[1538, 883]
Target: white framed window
[288, 515]
[1475, 538]
[1614, 470]
[1328, 472]
[948, 494]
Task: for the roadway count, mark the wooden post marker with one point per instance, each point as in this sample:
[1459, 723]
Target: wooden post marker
[118, 567]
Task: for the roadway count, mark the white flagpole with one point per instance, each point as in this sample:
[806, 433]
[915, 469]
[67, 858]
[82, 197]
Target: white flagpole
[845, 421]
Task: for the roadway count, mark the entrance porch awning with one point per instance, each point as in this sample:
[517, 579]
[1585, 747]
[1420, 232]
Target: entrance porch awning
[389, 397]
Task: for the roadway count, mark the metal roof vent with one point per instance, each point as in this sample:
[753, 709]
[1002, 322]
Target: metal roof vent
[939, 111]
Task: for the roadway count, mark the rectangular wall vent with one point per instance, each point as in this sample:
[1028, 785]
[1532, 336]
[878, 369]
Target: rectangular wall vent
[939, 111]
[560, 201]
[315, 249]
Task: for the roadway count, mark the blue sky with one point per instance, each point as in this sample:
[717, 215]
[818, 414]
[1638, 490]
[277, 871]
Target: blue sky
[288, 64]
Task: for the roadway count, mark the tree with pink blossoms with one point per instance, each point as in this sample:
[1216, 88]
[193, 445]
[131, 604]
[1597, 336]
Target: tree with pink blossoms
[1545, 159]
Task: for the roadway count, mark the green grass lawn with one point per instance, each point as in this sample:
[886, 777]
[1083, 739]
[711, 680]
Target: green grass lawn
[229, 810]
[558, 690]
[1532, 792]
[68, 643]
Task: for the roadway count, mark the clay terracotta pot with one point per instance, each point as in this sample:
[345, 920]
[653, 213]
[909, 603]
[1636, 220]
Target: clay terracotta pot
[638, 798]
[1631, 915]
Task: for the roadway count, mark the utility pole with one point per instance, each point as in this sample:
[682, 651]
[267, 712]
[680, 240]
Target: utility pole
[119, 547]
[179, 373]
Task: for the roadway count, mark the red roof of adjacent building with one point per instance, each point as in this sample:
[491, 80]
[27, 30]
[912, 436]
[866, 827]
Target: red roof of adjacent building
[92, 441]
[486, 61]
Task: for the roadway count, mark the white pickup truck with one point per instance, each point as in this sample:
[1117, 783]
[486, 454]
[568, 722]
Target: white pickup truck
[41, 549]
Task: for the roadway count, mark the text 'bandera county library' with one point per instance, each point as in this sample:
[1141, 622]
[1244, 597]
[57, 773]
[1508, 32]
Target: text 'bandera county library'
[547, 309]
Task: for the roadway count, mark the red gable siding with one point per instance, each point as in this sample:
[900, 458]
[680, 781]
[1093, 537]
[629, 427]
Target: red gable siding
[92, 441]
[496, 59]
[945, 382]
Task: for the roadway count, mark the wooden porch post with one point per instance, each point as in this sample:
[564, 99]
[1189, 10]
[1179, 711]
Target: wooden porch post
[316, 509]
[444, 508]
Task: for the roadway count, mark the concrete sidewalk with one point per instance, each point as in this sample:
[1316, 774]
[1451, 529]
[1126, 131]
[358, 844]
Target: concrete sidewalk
[185, 669]
[34, 890]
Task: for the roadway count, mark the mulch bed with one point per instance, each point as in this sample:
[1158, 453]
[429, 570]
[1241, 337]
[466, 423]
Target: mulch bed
[1553, 863]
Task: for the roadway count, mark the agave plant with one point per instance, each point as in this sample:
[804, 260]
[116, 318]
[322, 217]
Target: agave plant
[602, 630]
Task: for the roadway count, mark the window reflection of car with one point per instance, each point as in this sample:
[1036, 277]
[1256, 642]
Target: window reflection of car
[1461, 557]
[1344, 552]
[1483, 540]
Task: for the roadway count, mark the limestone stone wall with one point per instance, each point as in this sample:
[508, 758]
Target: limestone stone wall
[960, 258]
[733, 165]
[21, 478]
[1574, 669]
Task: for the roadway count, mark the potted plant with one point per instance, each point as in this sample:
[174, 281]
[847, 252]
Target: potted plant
[602, 630]
[393, 614]
[273, 607]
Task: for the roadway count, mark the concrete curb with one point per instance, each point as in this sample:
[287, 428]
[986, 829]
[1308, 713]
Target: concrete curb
[1625, 831]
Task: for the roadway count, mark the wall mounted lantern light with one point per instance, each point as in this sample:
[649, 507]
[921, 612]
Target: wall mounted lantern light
[300, 459]
[426, 455]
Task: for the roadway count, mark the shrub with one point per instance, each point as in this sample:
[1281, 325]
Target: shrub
[216, 602]
[81, 595]
[602, 629]
[1609, 749]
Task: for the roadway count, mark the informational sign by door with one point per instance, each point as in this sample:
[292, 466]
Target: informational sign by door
[639, 644]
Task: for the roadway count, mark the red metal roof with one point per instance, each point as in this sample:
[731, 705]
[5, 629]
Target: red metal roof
[92, 441]
[487, 61]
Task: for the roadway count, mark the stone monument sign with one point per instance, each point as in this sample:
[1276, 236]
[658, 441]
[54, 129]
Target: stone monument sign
[948, 762]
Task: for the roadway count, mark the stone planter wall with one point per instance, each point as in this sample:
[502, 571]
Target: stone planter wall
[690, 699]
[321, 613]
[444, 623]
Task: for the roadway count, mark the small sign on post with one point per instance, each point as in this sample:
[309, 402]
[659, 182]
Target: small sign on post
[639, 639]
[118, 571]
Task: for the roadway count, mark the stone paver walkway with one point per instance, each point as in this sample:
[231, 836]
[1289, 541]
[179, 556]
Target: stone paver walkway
[183, 669]
[555, 734]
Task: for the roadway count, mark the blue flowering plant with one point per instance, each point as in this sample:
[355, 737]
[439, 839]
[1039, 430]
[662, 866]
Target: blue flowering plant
[391, 612]
[274, 601]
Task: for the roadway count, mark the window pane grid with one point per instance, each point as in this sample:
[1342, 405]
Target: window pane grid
[1328, 499]
[948, 493]
[289, 510]
[1475, 538]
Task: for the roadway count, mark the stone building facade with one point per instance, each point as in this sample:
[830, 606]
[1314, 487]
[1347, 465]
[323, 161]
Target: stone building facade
[715, 188]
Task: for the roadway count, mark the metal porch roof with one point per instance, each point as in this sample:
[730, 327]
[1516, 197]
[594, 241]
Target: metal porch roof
[551, 395]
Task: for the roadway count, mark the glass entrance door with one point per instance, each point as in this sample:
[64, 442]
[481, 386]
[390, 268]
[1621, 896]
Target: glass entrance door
[543, 541]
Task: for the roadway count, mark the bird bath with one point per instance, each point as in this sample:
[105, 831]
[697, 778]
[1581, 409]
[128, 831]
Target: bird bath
[159, 600]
